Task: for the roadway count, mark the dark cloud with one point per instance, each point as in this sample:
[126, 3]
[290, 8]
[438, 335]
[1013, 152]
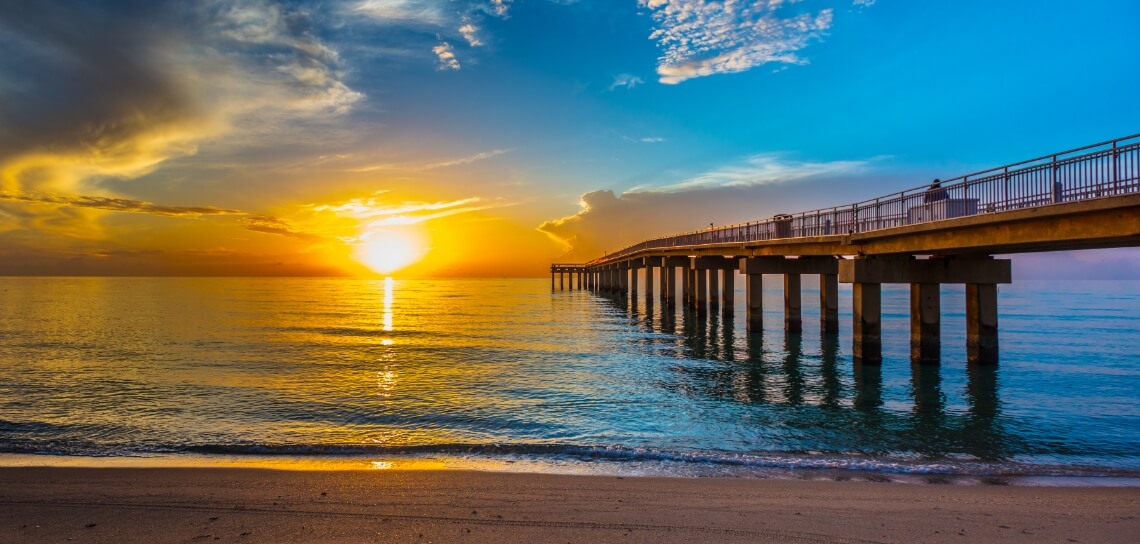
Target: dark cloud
[273, 225]
[117, 205]
[111, 89]
[85, 76]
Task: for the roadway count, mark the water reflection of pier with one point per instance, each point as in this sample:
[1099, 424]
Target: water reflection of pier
[814, 385]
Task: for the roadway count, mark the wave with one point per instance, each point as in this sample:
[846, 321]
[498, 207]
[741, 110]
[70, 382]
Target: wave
[659, 461]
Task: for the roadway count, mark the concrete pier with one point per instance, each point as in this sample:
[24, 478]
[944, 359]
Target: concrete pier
[925, 322]
[690, 285]
[669, 267]
[981, 323]
[792, 320]
[792, 269]
[714, 288]
[867, 309]
[754, 292]
[981, 274]
[829, 302]
[701, 290]
[648, 264]
[728, 292]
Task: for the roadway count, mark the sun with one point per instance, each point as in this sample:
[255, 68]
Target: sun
[387, 251]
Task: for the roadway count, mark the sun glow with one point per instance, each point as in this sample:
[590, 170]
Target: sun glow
[387, 251]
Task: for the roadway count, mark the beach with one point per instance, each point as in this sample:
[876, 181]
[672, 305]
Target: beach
[61, 504]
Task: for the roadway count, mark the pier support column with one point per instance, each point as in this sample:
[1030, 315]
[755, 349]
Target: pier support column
[702, 290]
[633, 268]
[552, 281]
[562, 281]
[728, 294]
[792, 320]
[581, 279]
[669, 285]
[687, 285]
[623, 279]
[648, 282]
[925, 323]
[754, 294]
[867, 302]
[981, 323]
[714, 288]
[829, 302]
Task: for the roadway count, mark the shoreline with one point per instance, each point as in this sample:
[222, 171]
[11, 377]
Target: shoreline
[554, 467]
[272, 505]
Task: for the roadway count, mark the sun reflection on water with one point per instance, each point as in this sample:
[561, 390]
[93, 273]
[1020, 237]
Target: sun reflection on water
[388, 304]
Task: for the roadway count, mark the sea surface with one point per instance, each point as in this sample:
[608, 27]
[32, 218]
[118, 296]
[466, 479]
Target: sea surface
[506, 374]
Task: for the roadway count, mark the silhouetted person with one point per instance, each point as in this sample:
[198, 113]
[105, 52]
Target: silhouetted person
[935, 192]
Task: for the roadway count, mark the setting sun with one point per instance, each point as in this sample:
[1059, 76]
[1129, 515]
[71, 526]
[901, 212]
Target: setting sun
[390, 250]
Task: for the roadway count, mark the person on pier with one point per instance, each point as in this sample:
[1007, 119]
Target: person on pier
[935, 193]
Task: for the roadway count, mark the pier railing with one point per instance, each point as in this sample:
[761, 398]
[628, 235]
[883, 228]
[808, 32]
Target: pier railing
[1095, 171]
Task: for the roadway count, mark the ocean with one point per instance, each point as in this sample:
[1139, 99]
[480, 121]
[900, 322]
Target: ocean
[504, 374]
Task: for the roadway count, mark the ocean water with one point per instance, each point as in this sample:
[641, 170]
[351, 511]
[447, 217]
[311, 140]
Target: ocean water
[506, 373]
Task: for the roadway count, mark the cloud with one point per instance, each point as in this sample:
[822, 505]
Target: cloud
[446, 56]
[116, 204]
[403, 11]
[470, 33]
[501, 7]
[267, 224]
[864, 3]
[761, 169]
[645, 139]
[626, 81]
[374, 213]
[484, 155]
[758, 188]
[115, 89]
[704, 38]
[464, 160]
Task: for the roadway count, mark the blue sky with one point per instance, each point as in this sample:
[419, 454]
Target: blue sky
[522, 114]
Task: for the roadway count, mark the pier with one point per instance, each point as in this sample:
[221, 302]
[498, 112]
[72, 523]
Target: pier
[928, 236]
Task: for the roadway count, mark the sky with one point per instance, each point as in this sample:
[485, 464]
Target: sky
[446, 138]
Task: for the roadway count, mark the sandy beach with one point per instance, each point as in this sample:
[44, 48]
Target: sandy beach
[62, 504]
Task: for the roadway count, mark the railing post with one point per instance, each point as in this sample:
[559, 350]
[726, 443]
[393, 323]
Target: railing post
[1053, 183]
[1115, 169]
[1005, 184]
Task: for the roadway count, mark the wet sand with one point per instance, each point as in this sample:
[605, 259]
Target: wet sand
[60, 504]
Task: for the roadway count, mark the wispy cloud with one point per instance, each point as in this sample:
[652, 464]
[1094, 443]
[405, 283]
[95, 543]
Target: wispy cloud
[115, 204]
[403, 11]
[644, 139]
[446, 56]
[625, 81]
[464, 160]
[375, 213]
[267, 224]
[761, 169]
[702, 38]
[414, 167]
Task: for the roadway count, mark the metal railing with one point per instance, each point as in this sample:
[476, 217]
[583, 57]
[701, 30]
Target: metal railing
[1093, 171]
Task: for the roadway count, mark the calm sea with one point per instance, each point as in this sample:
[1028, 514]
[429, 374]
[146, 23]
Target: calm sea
[505, 373]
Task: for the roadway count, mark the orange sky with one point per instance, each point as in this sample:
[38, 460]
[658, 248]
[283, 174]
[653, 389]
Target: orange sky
[491, 138]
